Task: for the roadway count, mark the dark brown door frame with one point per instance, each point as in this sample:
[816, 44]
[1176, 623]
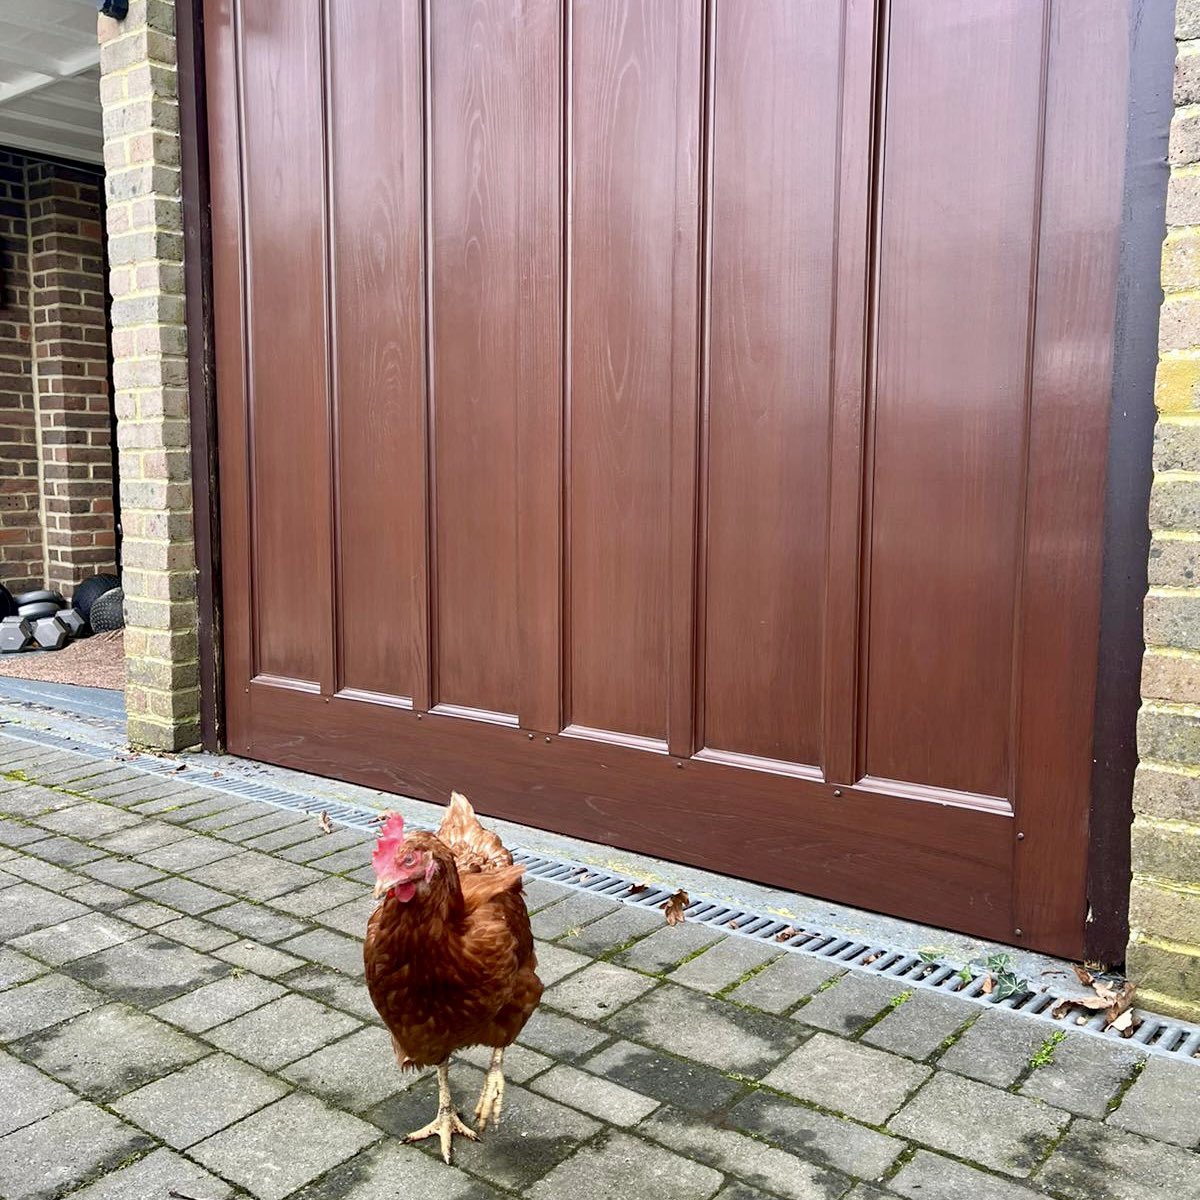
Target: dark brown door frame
[1126, 538]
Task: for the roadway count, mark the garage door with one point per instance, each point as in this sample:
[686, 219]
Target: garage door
[680, 424]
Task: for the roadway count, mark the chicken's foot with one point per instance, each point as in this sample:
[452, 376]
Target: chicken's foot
[447, 1123]
[491, 1099]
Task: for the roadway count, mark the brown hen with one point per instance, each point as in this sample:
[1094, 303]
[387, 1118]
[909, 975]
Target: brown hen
[449, 954]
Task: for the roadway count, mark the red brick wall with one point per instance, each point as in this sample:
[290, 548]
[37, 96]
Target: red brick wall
[72, 384]
[21, 562]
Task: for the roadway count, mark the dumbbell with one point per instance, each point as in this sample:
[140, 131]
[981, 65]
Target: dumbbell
[15, 634]
[50, 633]
[72, 618]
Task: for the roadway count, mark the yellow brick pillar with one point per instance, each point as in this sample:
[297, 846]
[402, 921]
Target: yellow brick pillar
[140, 99]
[1164, 951]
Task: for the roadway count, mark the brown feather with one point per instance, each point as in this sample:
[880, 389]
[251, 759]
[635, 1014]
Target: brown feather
[455, 965]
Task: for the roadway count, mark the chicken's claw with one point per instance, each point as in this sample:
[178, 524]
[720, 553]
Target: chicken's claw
[446, 1124]
[491, 1099]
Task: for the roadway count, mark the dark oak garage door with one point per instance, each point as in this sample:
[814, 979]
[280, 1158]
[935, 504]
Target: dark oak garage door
[680, 423]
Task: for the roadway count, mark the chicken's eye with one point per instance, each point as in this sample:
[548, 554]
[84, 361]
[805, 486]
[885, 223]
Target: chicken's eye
[410, 859]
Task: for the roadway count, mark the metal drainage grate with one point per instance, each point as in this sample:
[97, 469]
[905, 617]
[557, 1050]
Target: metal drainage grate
[1157, 1034]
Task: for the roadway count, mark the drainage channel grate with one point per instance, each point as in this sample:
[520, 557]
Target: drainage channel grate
[1157, 1034]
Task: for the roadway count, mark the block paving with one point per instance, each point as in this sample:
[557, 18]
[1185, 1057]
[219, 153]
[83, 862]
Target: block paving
[182, 1008]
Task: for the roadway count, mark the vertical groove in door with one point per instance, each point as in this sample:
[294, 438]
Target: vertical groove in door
[568, 187]
[425, 693]
[1035, 243]
[700, 573]
[331, 681]
[248, 345]
[862, 659]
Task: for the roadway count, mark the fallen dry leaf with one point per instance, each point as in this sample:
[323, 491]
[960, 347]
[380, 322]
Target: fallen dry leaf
[872, 957]
[674, 907]
[637, 889]
[1085, 976]
[786, 934]
[325, 823]
[732, 925]
[1060, 1010]
[989, 985]
[1126, 1024]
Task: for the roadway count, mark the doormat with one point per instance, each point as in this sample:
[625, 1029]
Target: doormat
[96, 661]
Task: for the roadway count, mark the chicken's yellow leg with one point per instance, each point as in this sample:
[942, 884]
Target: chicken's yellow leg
[491, 1099]
[446, 1124]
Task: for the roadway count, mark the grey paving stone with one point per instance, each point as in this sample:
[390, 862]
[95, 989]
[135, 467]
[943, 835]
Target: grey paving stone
[597, 991]
[355, 1074]
[573, 911]
[27, 908]
[53, 1155]
[154, 1176]
[735, 1190]
[109, 1051]
[140, 838]
[617, 1166]
[971, 1120]
[560, 1037]
[270, 821]
[284, 1146]
[12, 833]
[848, 1077]
[192, 851]
[365, 875]
[712, 1032]
[258, 922]
[254, 956]
[254, 876]
[281, 1032]
[88, 819]
[146, 971]
[32, 801]
[666, 947]
[17, 968]
[197, 934]
[352, 848]
[540, 893]
[849, 1003]
[749, 1160]
[555, 963]
[825, 1140]
[99, 896]
[281, 839]
[186, 896]
[41, 1003]
[618, 928]
[534, 1135]
[785, 982]
[685, 1085]
[180, 813]
[920, 1025]
[166, 797]
[1085, 1074]
[1097, 1162]
[148, 915]
[63, 851]
[1164, 1102]
[229, 813]
[76, 938]
[317, 897]
[520, 1063]
[595, 1096]
[997, 1048]
[189, 1105]
[215, 1003]
[329, 949]
[337, 991]
[724, 964]
[122, 872]
[28, 1094]
[932, 1177]
[43, 874]
[373, 1175]
[348, 918]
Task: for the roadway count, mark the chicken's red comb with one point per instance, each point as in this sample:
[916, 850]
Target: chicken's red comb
[391, 834]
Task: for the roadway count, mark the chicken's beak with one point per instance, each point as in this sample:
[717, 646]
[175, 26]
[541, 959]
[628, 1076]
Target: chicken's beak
[383, 886]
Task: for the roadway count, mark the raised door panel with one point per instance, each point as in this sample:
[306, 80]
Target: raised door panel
[633, 103]
[282, 124]
[376, 190]
[474, 310]
[958, 212]
[774, 154]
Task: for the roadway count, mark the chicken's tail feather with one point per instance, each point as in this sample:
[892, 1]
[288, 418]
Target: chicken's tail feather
[474, 848]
